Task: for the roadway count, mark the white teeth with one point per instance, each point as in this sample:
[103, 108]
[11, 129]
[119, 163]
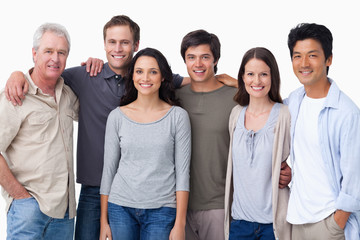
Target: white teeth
[145, 85]
[118, 57]
[257, 88]
[199, 71]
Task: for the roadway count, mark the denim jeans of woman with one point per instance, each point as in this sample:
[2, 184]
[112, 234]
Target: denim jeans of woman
[140, 224]
[244, 230]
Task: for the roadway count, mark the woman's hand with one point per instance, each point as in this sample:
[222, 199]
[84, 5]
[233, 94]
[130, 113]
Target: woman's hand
[105, 232]
[177, 233]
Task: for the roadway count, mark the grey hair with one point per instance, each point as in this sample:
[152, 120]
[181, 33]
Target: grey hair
[50, 27]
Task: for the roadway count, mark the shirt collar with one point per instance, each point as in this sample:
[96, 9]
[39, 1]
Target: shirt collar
[108, 73]
[34, 90]
[332, 98]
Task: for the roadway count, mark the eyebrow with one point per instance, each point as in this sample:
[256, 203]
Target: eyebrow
[149, 68]
[311, 51]
[201, 55]
[58, 50]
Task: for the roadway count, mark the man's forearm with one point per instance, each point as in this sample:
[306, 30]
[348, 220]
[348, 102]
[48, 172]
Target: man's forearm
[10, 183]
[341, 218]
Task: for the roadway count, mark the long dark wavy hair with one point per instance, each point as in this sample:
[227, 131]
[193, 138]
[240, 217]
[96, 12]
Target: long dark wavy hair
[242, 96]
[166, 91]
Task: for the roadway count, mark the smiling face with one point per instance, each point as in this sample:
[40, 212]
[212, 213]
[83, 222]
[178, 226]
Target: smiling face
[257, 78]
[309, 63]
[50, 58]
[200, 63]
[119, 47]
[147, 76]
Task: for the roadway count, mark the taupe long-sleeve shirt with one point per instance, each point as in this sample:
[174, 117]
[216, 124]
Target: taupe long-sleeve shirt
[36, 140]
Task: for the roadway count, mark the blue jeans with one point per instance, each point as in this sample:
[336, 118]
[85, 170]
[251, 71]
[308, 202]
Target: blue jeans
[244, 230]
[144, 224]
[25, 221]
[88, 214]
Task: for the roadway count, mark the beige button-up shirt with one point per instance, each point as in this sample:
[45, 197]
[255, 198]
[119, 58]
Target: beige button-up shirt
[36, 139]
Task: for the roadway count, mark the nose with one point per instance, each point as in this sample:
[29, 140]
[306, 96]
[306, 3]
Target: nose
[118, 47]
[55, 56]
[305, 62]
[146, 77]
[257, 79]
[198, 62]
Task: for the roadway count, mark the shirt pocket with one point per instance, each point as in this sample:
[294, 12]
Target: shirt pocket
[41, 126]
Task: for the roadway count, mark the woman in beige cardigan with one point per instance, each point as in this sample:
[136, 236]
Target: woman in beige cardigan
[255, 206]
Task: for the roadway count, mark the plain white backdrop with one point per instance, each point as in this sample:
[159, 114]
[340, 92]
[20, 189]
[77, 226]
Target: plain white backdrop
[240, 25]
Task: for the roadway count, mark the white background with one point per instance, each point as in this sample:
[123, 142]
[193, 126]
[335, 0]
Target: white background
[240, 25]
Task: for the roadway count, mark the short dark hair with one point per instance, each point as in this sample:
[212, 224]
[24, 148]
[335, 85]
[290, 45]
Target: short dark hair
[242, 96]
[199, 37]
[166, 91]
[314, 31]
[122, 20]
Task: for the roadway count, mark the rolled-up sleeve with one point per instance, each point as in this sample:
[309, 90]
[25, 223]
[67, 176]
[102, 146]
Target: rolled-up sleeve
[10, 122]
[349, 197]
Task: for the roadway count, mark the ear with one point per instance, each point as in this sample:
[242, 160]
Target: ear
[329, 61]
[136, 46]
[33, 54]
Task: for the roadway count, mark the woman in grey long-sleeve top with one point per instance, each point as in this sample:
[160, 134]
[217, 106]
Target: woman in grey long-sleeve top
[145, 182]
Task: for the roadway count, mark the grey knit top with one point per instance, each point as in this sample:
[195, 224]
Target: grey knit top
[146, 163]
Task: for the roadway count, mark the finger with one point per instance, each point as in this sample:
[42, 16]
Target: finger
[7, 93]
[101, 66]
[15, 100]
[88, 65]
[82, 63]
[19, 92]
[283, 184]
[285, 173]
[13, 96]
[92, 69]
[96, 68]
[26, 88]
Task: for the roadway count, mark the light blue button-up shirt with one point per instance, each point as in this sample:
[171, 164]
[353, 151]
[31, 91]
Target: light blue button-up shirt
[339, 139]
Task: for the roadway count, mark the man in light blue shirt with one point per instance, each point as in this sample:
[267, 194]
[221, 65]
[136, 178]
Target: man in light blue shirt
[325, 146]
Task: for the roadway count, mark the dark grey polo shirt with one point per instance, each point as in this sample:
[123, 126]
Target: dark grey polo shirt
[98, 96]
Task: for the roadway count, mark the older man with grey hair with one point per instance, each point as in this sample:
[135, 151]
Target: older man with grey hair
[36, 145]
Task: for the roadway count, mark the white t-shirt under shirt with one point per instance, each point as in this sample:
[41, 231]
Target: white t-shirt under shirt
[311, 198]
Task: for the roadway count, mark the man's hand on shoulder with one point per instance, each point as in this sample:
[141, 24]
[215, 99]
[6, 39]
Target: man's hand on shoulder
[16, 87]
[93, 66]
[227, 80]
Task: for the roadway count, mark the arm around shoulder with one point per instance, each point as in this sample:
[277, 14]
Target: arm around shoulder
[16, 87]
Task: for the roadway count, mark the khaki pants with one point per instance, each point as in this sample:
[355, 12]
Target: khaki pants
[326, 229]
[205, 225]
